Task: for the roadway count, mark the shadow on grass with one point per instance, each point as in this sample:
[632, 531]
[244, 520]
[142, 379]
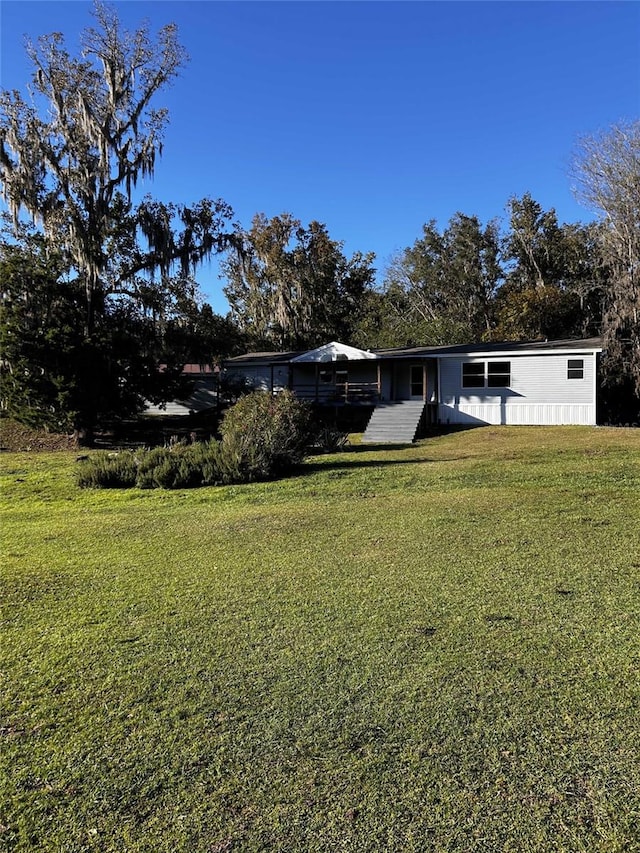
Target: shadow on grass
[376, 448]
[355, 464]
[433, 432]
[355, 449]
[348, 465]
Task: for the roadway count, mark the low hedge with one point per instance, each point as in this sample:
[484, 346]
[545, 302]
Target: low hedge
[263, 437]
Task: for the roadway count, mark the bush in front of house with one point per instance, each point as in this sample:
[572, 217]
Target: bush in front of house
[263, 437]
[328, 439]
[177, 467]
[109, 471]
[187, 467]
[148, 462]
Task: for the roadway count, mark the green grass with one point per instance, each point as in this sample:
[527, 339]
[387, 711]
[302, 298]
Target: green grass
[432, 648]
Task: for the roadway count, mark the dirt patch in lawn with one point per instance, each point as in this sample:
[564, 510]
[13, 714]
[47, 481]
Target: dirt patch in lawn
[16, 437]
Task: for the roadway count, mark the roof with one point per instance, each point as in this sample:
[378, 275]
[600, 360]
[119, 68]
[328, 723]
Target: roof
[492, 347]
[193, 369]
[203, 396]
[263, 358]
[198, 369]
[335, 351]
[487, 348]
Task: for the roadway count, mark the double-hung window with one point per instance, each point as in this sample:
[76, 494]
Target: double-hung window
[486, 374]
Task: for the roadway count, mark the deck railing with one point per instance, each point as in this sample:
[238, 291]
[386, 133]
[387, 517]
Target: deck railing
[344, 392]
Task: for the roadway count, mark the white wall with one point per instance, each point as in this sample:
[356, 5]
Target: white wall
[539, 393]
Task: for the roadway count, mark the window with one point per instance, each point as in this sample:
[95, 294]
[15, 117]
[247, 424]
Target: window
[333, 376]
[486, 374]
[473, 375]
[417, 380]
[575, 368]
[499, 374]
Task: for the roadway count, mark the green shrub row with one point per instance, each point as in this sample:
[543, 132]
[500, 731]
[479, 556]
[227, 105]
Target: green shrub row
[178, 467]
[263, 437]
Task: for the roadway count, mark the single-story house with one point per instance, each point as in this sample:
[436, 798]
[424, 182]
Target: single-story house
[539, 382]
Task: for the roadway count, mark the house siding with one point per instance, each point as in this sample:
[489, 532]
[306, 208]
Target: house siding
[539, 393]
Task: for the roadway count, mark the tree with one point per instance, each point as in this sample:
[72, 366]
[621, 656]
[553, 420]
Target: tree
[292, 287]
[100, 135]
[607, 173]
[72, 167]
[40, 334]
[441, 289]
[213, 337]
[52, 375]
[551, 286]
[534, 244]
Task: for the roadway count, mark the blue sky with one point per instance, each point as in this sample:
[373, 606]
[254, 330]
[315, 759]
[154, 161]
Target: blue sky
[372, 117]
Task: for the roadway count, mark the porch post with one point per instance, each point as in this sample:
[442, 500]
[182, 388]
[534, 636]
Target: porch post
[424, 381]
[317, 381]
[379, 381]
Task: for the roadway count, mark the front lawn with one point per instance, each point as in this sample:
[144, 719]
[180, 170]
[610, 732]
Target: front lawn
[431, 648]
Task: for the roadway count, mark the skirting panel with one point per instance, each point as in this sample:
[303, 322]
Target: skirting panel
[516, 413]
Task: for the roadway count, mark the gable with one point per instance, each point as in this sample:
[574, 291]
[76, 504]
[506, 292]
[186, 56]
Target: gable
[334, 351]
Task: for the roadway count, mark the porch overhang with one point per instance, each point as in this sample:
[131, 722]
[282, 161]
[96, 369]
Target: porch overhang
[334, 351]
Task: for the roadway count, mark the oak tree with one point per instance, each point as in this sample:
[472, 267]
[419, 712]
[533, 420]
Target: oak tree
[441, 289]
[70, 157]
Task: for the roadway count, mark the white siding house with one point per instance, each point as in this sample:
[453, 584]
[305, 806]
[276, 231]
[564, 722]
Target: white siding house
[542, 388]
[534, 382]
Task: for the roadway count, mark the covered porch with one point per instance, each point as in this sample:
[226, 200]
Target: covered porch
[337, 375]
[357, 378]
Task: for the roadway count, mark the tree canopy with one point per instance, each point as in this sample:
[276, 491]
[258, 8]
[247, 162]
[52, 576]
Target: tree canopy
[70, 159]
[98, 135]
[607, 173]
[292, 287]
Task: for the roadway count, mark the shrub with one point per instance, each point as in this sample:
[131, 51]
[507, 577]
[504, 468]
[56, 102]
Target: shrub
[168, 473]
[148, 461]
[263, 436]
[109, 471]
[188, 467]
[180, 466]
[328, 440]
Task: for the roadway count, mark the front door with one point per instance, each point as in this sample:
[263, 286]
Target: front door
[416, 379]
